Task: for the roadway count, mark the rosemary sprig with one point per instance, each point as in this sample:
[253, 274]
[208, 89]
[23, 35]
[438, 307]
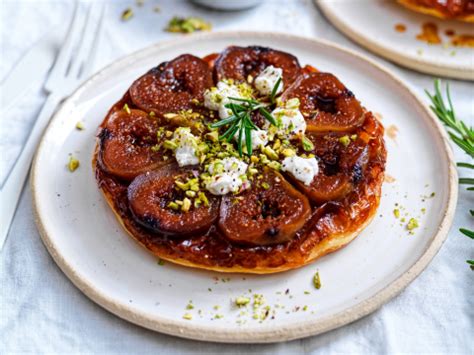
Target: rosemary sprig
[241, 120]
[460, 134]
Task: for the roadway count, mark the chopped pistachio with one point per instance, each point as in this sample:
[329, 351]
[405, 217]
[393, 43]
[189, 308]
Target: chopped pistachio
[219, 316]
[161, 262]
[412, 224]
[188, 316]
[187, 25]
[79, 126]
[253, 171]
[202, 196]
[396, 213]
[345, 140]
[186, 205]
[317, 280]
[274, 165]
[126, 108]
[168, 144]
[307, 144]
[265, 185]
[270, 153]
[190, 193]
[73, 164]
[127, 14]
[242, 301]
[287, 152]
[182, 185]
[212, 136]
[254, 159]
[354, 137]
[189, 306]
[173, 206]
[152, 114]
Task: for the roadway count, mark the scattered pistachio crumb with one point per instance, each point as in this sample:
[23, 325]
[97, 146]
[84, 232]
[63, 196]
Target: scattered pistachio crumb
[345, 140]
[307, 144]
[305, 308]
[412, 224]
[73, 164]
[157, 9]
[126, 108]
[396, 213]
[79, 126]
[317, 280]
[188, 316]
[306, 292]
[161, 262]
[127, 14]
[265, 185]
[189, 306]
[187, 25]
[242, 301]
[219, 316]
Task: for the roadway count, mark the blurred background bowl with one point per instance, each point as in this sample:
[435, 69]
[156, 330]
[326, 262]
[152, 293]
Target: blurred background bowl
[229, 5]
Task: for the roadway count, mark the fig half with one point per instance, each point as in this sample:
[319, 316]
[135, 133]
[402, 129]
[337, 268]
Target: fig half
[239, 62]
[172, 86]
[270, 212]
[125, 144]
[149, 196]
[326, 103]
[340, 167]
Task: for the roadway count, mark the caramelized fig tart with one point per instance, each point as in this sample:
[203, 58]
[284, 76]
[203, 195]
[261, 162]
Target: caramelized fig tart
[462, 10]
[241, 161]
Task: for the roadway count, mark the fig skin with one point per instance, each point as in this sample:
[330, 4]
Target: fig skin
[340, 167]
[125, 144]
[148, 198]
[264, 216]
[326, 103]
[172, 86]
[239, 62]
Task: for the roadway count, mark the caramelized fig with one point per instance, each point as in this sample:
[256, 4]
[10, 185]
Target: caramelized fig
[270, 212]
[326, 103]
[125, 144]
[340, 167]
[239, 62]
[150, 194]
[172, 86]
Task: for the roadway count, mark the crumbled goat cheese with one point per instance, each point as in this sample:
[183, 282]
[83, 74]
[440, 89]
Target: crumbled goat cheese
[185, 153]
[217, 97]
[267, 79]
[259, 137]
[303, 169]
[226, 176]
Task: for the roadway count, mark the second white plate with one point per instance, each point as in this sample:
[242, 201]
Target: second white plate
[372, 25]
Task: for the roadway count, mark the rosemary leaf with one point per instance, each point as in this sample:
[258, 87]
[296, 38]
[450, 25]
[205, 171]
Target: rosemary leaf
[248, 140]
[274, 90]
[268, 116]
[467, 232]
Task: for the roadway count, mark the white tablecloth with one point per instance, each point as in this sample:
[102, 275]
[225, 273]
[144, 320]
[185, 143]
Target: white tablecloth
[42, 312]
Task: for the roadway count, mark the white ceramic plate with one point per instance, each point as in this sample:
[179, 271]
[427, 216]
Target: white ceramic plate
[371, 24]
[84, 238]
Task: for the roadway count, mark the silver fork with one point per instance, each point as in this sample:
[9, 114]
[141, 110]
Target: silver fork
[73, 64]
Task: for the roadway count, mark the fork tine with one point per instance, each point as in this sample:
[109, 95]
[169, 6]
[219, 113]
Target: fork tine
[87, 43]
[62, 61]
[89, 64]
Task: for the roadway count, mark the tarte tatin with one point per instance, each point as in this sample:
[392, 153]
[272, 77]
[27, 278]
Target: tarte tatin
[446, 9]
[242, 161]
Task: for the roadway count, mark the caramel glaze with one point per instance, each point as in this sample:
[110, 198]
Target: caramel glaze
[211, 249]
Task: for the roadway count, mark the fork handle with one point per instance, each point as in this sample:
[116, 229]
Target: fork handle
[11, 190]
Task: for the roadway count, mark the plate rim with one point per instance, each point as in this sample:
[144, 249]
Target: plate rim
[265, 334]
[418, 64]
